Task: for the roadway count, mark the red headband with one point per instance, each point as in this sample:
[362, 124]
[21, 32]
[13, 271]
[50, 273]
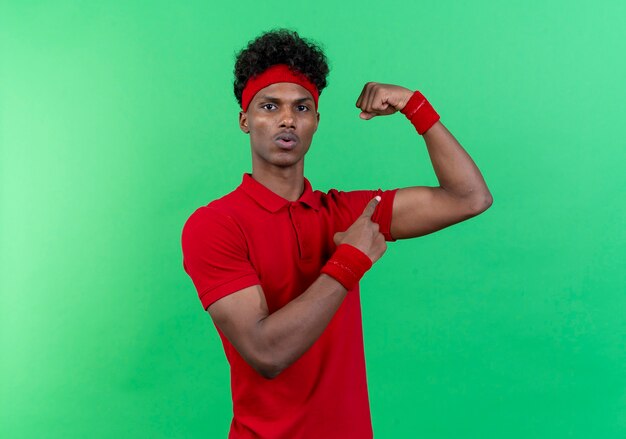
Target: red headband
[274, 74]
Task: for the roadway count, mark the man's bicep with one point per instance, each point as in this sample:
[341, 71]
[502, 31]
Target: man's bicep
[420, 210]
[352, 204]
[238, 316]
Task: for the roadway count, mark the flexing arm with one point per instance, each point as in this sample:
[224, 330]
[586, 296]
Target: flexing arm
[462, 191]
[272, 342]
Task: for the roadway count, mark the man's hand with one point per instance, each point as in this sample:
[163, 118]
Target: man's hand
[364, 234]
[382, 99]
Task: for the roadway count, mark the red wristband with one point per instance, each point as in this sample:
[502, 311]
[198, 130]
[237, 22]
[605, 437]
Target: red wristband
[347, 265]
[419, 111]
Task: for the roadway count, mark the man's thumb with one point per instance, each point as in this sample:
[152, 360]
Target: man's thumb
[337, 237]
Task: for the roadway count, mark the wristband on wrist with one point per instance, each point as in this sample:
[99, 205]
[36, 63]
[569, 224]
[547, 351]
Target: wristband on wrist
[419, 111]
[347, 265]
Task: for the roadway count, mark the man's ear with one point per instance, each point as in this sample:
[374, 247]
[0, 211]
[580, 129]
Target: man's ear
[318, 121]
[243, 122]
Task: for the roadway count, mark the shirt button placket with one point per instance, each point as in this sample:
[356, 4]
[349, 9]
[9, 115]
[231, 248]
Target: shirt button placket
[295, 211]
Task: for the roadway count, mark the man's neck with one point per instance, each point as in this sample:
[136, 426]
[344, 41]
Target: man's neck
[287, 182]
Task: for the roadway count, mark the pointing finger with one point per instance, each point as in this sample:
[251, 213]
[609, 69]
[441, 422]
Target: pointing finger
[371, 206]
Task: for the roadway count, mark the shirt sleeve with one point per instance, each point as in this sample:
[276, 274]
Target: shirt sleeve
[353, 203]
[215, 255]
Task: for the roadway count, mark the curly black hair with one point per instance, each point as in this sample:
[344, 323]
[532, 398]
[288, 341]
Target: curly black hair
[280, 46]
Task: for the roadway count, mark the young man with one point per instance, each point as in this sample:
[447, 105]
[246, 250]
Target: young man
[277, 264]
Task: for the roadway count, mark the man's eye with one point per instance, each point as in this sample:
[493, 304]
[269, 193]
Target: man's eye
[268, 106]
[303, 108]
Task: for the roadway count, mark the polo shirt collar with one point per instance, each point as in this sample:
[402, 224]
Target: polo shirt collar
[274, 202]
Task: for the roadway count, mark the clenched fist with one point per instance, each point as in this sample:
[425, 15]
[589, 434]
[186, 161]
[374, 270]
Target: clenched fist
[378, 99]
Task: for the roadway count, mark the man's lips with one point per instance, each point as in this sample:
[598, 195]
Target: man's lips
[286, 140]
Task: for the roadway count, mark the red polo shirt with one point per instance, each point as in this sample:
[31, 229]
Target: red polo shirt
[253, 236]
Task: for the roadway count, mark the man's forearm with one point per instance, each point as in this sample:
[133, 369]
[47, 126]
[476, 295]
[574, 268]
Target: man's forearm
[289, 332]
[272, 342]
[455, 170]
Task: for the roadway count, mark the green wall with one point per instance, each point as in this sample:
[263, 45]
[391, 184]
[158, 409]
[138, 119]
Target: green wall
[117, 120]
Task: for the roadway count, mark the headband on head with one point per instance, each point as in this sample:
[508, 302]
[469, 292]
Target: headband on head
[274, 74]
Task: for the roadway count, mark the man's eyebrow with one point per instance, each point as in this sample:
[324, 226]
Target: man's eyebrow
[274, 99]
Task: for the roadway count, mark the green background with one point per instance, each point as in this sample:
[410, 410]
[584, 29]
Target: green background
[117, 120]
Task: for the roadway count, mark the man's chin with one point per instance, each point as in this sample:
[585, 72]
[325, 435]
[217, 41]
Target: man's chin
[286, 158]
[280, 159]
[286, 162]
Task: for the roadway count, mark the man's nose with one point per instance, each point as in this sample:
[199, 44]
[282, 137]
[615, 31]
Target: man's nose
[287, 118]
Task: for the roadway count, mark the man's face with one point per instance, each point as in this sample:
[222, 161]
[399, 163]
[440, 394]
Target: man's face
[281, 120]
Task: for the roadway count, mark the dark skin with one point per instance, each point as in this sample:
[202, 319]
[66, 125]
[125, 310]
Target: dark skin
[272, 342]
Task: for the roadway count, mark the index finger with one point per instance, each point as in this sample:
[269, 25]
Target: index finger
[360, 98]
[371, 206]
